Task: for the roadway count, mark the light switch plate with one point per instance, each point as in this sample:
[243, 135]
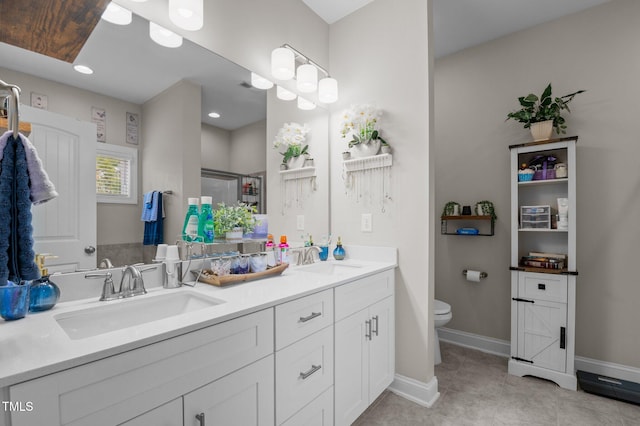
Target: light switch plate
[300, 222]
[365, 222]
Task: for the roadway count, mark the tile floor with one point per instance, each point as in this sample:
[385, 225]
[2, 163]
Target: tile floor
[475, 389]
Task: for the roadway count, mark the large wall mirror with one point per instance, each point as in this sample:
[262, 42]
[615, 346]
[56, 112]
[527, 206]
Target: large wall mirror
[129, 71]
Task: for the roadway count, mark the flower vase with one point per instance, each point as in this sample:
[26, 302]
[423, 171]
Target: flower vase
[236, 234]
[542, 130]
[295, 162]
[366, 149]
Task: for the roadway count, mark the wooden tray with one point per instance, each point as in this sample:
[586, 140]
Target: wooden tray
[208, 277]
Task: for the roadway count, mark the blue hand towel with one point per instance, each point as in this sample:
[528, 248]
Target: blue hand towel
[153, 230]
[150, 206]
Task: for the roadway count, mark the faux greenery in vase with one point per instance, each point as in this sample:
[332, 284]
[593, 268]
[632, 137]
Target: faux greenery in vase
[536, 109]
[292, 136]
[230, 218]
[361, 123]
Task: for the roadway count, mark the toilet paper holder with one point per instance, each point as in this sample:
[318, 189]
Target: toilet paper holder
[482, 274]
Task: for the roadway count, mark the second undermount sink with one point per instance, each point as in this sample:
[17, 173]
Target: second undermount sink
[329, 268]
[127, 313]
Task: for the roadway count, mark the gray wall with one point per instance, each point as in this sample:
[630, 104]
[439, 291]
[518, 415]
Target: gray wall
[597, 50]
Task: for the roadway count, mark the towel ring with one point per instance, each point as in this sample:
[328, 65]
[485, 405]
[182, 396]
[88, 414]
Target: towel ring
[13, 118]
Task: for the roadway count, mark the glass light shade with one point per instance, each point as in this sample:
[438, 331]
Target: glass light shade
[260, 82]
[307, 77]
[283, 63]
[117, 14]
[284, 94]
[187, 14]
[163, 36]
[328, 90]
[305, 104]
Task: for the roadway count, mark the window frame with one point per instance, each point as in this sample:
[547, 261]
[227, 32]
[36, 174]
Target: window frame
[120, 152]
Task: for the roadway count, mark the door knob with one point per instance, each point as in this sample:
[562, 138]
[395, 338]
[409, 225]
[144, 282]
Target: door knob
[90, 249]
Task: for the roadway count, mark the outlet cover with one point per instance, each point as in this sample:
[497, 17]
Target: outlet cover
[365, 223]
[300, 222]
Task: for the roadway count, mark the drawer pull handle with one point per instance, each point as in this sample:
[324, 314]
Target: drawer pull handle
[306, 374]
[563, 338]
[200, 418]
[367, 332]
[541, 286]
[310, 317]
[375, 321]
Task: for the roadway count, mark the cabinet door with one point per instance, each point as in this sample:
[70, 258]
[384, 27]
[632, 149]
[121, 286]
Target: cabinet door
[541, 330]
[243, 398]
[351, 367]
[381, 347]
[169, 414]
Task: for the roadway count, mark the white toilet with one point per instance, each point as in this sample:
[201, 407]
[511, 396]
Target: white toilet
[441, 316]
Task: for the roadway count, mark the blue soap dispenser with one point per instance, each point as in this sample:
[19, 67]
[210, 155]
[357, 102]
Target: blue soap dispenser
[338, 252]
[44, 293]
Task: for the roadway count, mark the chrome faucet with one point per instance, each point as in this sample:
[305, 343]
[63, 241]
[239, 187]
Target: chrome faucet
[308, 254]
[105, 264]
[135, 284]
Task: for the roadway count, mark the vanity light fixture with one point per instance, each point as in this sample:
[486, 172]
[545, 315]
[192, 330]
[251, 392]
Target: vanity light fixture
[283, 60]
[83, 69]
[163, 36]
[214, 115]
[305, 104]
[285, 94]
[283, 63]
[187, 14]
[117, 14]
[259, 82]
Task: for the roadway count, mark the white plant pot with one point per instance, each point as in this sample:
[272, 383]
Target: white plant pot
[366, 149]
[296, 162]
[236, 234]
[541, 131]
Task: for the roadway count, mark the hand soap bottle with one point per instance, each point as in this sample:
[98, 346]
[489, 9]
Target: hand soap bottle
[44, 293]
[339, 253]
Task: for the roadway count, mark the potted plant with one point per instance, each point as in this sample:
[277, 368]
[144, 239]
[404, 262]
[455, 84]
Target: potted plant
[234, 221]
[485, 208]
[292, 136]
[544, 109]
[451, 209]
[361, 122]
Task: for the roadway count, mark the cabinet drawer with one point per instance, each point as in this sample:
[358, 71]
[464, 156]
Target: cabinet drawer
[357, 295]
[118, 388]
[303, 317]
[549, 287]
[318, 412]
[303, 371]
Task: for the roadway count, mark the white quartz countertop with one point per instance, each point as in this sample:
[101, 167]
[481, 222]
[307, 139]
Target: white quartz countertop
[37, 345]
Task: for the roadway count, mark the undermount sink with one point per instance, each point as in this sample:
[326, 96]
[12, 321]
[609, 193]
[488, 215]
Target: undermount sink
[129, 313]
[329, 268]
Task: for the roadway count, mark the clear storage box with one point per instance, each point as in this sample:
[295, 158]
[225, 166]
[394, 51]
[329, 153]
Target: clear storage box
[535, 217]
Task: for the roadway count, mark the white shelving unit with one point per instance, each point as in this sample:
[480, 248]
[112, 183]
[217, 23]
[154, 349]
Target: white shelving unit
[368, 179]
[543, 302]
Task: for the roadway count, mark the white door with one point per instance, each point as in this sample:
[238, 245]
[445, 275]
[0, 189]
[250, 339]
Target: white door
[243, 398]
[381, 347]
[65, 226]
[540, 330]
[351, 367]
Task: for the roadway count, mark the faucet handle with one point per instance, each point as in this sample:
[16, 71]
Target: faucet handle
[108, 290]
[138, 282]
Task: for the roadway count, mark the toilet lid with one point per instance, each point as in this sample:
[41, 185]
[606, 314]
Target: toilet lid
[440, 307]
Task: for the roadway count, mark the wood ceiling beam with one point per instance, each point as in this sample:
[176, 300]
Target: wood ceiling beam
[56, 28]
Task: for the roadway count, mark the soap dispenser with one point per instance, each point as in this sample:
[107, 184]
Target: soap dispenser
[338, 253]
[44, 293]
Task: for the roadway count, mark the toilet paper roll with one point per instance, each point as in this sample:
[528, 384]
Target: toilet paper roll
[473, 275]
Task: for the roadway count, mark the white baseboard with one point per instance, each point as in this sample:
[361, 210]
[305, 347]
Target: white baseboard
[503, 348]
[425, 394]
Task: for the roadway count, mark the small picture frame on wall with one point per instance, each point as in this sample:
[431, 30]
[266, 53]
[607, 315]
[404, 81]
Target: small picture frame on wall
[99, 116]
[132, 128]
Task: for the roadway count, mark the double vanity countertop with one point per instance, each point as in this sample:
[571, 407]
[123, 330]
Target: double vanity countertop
[38, 345]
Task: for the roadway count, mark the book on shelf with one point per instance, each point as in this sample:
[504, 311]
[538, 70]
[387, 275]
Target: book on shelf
[548, 255]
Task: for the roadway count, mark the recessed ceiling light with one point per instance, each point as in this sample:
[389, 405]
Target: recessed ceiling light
[259, 82]
[83, 69]
[214, 115]
[117, 14]
[163, 36]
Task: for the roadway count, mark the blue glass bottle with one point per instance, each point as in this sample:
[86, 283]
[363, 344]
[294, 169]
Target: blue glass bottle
[338, 252]
[44, 293]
